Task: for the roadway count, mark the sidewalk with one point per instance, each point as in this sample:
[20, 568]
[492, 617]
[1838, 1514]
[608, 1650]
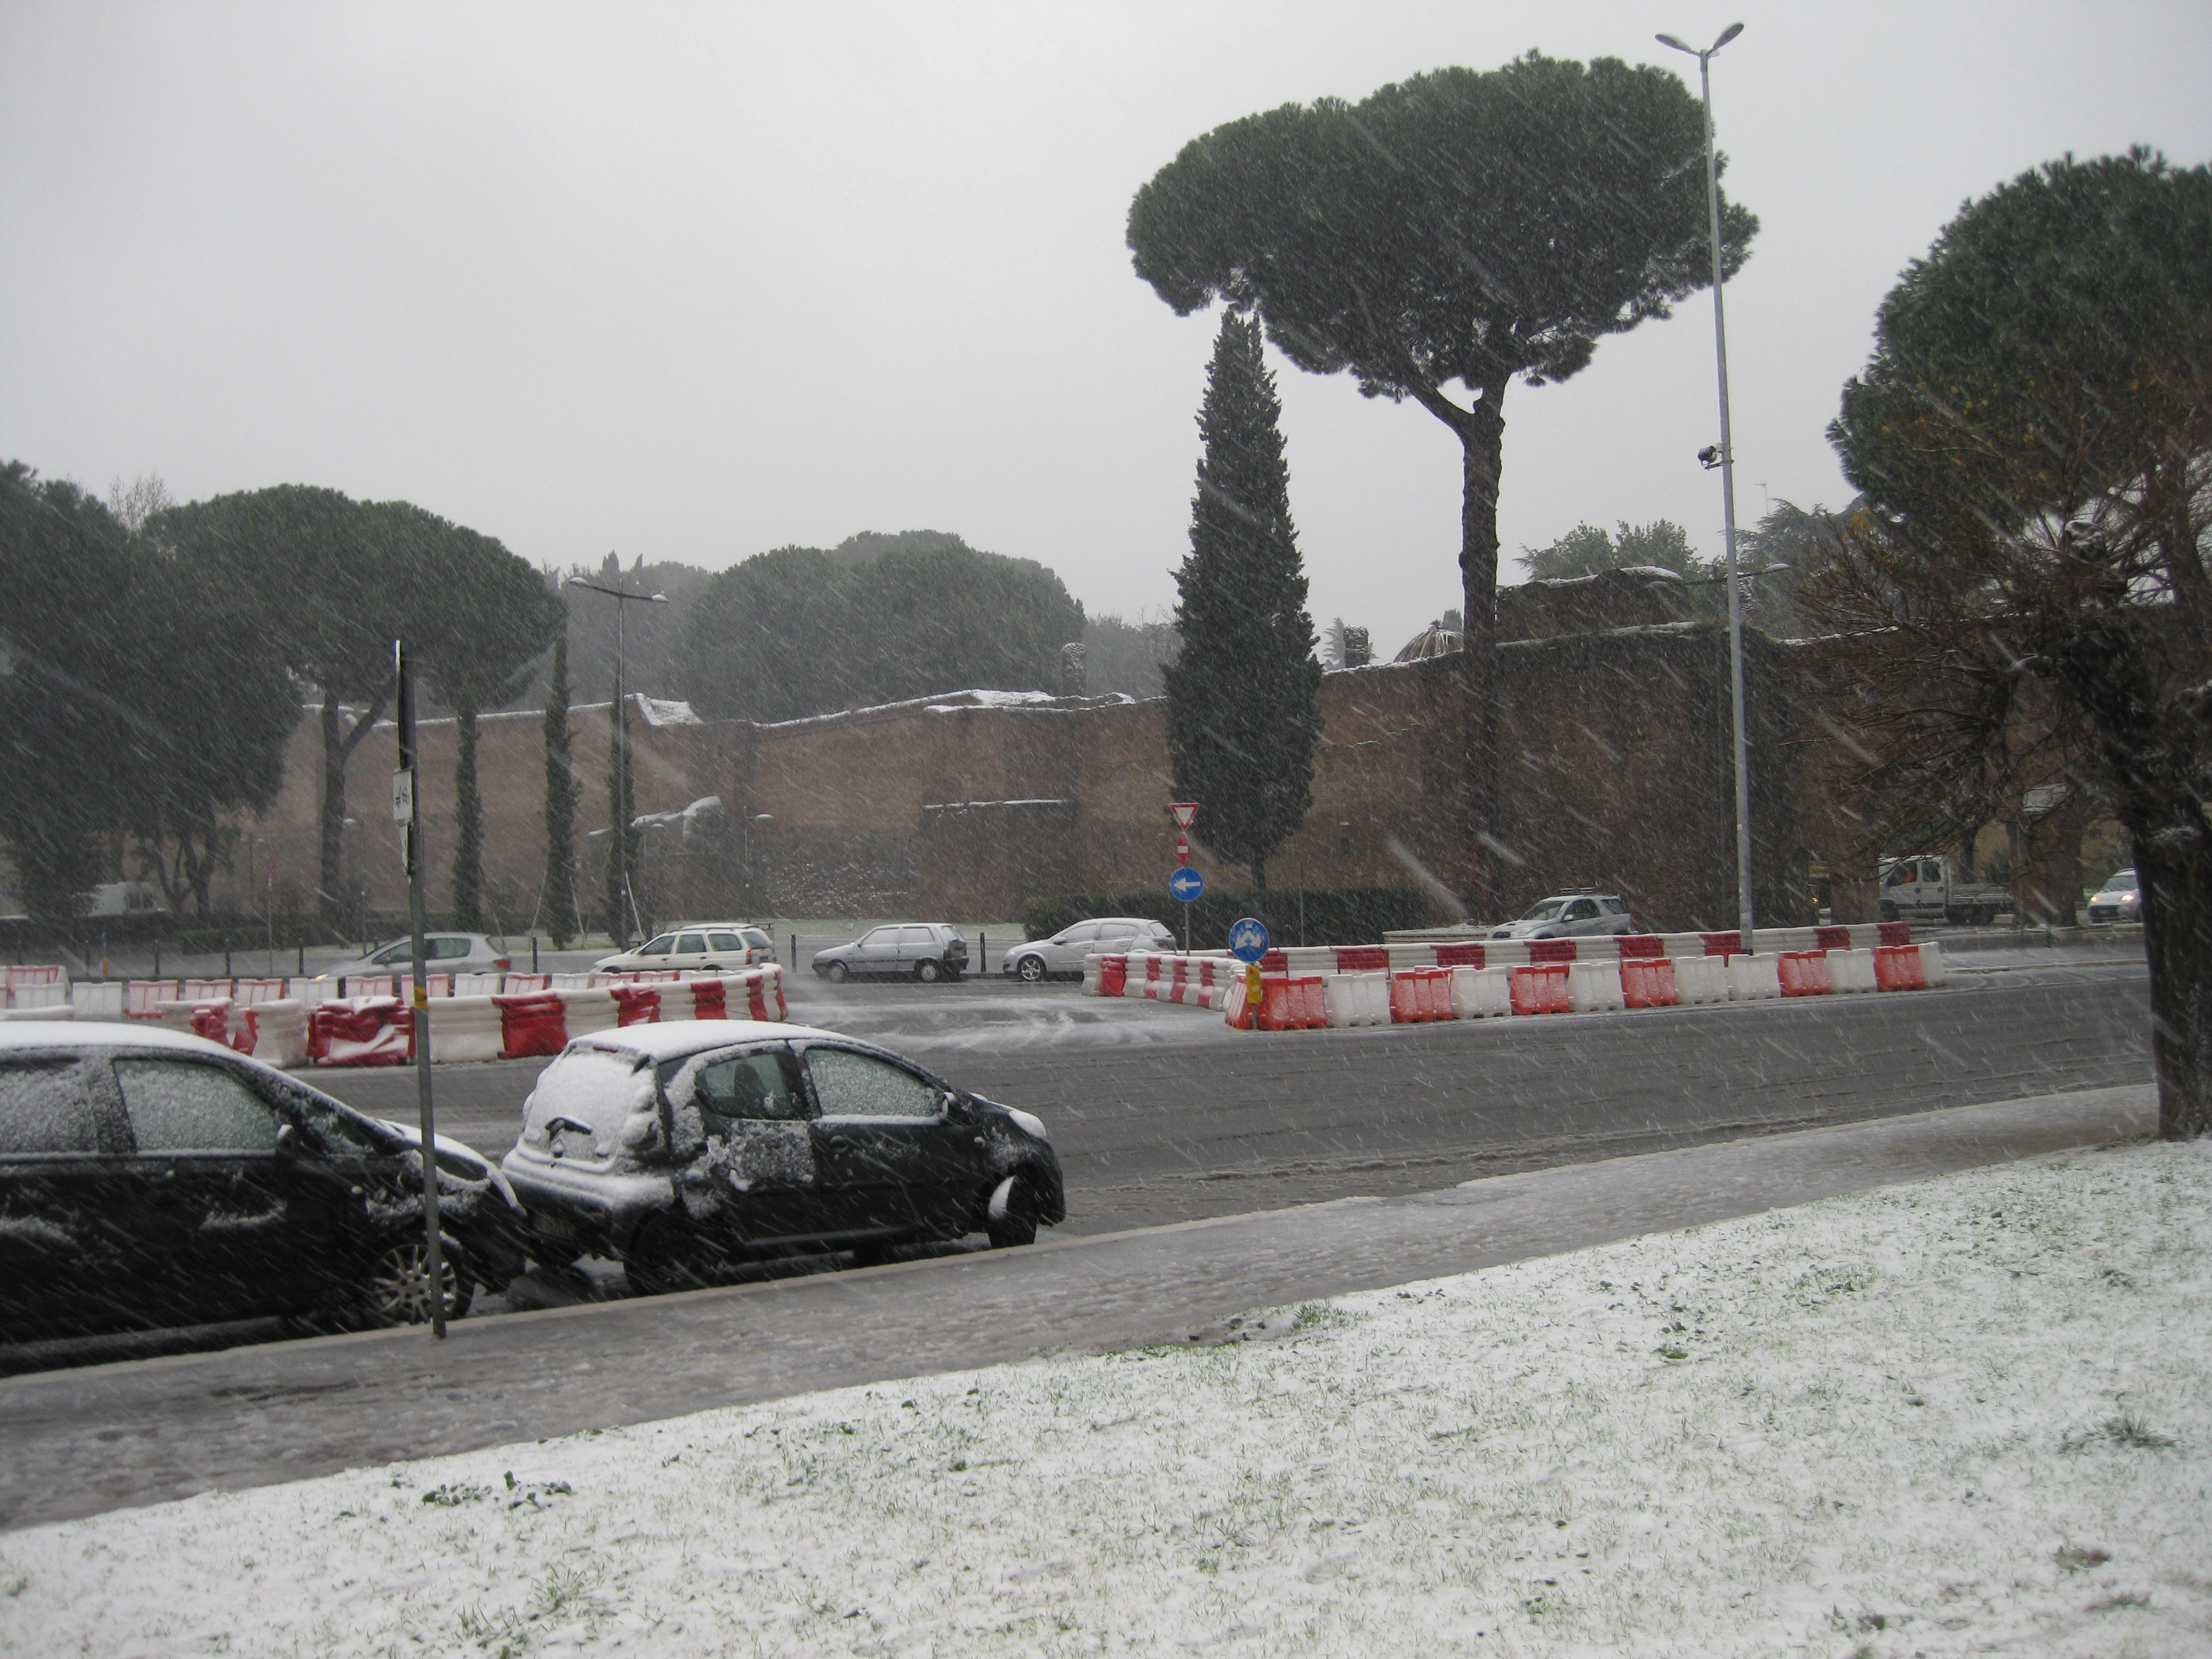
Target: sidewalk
[107, 1437]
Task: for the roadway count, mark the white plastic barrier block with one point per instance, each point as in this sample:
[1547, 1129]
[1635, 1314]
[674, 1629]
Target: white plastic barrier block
[590, 1011]
[54, 994]
[1505, 953]
[478, 985]
[97, 1001]
[1701, 979]
[465, 1028]
[1850, 970]
[1933, 968]
[1482, 992]
[309, 992]
[1306, 960]
[64, 1011]
[1753, 979]
[1594, 987]
[177, 1015]
[570, 981]
[280, 1032]
[680, 1001]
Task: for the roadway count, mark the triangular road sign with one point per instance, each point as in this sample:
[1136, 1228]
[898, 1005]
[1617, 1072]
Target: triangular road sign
[1184, 812]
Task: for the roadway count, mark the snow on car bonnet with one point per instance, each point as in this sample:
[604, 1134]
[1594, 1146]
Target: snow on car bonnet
[593, 1105]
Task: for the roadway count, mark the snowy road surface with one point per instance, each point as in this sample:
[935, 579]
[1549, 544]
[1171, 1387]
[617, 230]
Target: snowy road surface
[81, 1442]
[1964, 1416]
[1162, 1114]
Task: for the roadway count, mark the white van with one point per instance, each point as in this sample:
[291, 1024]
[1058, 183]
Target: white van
[123, 898]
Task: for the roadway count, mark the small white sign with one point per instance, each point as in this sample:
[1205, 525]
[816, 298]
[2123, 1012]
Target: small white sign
[403, 797]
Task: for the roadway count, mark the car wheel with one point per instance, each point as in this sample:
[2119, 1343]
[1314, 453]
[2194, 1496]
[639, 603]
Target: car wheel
[835, 973]
[1012, 1215]
[926, 971]
[664, 1256]
[398, 1290]
[1887, 912]
[1031, 970]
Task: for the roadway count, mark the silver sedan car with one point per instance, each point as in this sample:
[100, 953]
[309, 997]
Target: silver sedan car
[1570, 915]
[1063, 953]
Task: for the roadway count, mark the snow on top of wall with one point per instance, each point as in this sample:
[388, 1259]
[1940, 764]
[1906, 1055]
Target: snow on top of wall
[666, 711]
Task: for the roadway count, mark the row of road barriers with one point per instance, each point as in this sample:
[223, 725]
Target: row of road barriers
[520, 1015]
[1370, 989]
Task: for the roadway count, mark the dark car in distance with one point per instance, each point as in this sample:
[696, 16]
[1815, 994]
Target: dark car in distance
[683, 1148]
[150, 1179]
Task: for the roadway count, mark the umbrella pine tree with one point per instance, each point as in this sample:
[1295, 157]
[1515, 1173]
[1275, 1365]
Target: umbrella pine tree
[1242, 715]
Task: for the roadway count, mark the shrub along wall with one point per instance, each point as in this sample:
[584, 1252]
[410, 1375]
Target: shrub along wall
[1318, 915]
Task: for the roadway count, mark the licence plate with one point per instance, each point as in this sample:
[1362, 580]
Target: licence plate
[554, 1226]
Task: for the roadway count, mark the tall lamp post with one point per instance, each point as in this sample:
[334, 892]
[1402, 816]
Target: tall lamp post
[624, 805]
[1728, 488]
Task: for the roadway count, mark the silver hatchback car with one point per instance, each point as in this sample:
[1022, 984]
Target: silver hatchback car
[1570, 915]
[1063, 953]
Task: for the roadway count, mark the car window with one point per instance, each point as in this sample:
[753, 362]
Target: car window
[403, 951]
[1547, 911]
[177, 1106]
[44, 1107]
[446, 949]
[917, 936]
[1082, 933]
[1613, 907]
[880, 936]
[658, 947]
[691, 944]
[1899, 876]
[339, 1131]
[748, 1086]
[758, 940]
[860, 1085]
[726, 941]
[1581, 910]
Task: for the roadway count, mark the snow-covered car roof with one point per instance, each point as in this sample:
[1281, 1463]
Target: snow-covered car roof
[678, 1038]
[106, 1034]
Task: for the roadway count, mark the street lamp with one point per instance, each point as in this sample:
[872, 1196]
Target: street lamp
[624, 806]
[1728, 488]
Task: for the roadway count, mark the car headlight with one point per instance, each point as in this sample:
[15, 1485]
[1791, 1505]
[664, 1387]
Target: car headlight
[1029, 1123]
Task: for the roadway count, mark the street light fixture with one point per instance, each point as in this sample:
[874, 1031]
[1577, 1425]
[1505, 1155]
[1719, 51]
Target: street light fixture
[1727, 458]
[624, 806]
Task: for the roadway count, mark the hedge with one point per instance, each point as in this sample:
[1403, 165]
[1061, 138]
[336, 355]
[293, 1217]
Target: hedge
[1332, 915]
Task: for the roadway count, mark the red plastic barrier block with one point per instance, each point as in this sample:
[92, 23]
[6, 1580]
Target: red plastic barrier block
[1551, 949]
[1153, 977]
[1832, 939]
[532, 1023]
[1362, 958]
[636, 1005]
[1405, 999]
[709, 1000]
[1280, 1004]
[1274, 963]
[212, 1020]
[1460, 956]
[1730, 944]
[1539, 988]
[1648, 982]
[364, 1031]
[1312, 1003]
[1894, 933]
[1113, 976]
[1436, 991]
[1898, 968]
[1641, 946]
[1804, 973]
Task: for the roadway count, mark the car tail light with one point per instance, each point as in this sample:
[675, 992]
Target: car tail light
[502, 963]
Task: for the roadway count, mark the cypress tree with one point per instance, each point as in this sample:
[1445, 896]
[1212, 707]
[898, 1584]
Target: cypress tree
[560, 792]
[1242, 715]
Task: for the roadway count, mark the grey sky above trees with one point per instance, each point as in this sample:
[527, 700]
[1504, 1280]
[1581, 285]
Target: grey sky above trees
[698, 281]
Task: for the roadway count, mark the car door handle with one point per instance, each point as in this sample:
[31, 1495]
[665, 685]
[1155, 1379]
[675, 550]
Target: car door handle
[842, 1144]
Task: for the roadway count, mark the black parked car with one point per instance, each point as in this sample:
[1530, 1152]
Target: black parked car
[680, 1148]
[150, 1179]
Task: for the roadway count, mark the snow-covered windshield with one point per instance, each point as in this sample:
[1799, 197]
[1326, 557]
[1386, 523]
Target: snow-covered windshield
[2120, 881]
[1547, 911]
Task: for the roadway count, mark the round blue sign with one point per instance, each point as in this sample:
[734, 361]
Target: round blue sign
[1186, 883]
[1248, 939]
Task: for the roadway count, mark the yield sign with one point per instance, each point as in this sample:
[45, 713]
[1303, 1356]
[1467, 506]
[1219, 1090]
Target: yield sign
[1184, 812]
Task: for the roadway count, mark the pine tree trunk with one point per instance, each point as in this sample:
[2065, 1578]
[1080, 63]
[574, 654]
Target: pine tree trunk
[2173, 871]
[468, 825]
[1259, 874]
[560, 901]
[1482, 440]
[331, 884]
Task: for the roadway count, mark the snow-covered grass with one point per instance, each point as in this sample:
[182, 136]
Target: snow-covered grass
[1967, 1416]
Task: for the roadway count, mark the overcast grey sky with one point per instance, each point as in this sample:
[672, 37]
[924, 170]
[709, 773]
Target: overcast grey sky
[692, 282]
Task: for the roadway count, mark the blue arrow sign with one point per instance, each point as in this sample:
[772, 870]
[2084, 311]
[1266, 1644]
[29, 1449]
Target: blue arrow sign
[1186, 883]
[1248, 939]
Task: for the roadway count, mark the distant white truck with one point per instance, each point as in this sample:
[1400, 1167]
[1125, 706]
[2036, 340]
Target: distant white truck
[1927, 887]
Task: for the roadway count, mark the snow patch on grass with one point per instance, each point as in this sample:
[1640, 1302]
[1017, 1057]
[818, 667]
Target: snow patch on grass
[1972, 1415]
